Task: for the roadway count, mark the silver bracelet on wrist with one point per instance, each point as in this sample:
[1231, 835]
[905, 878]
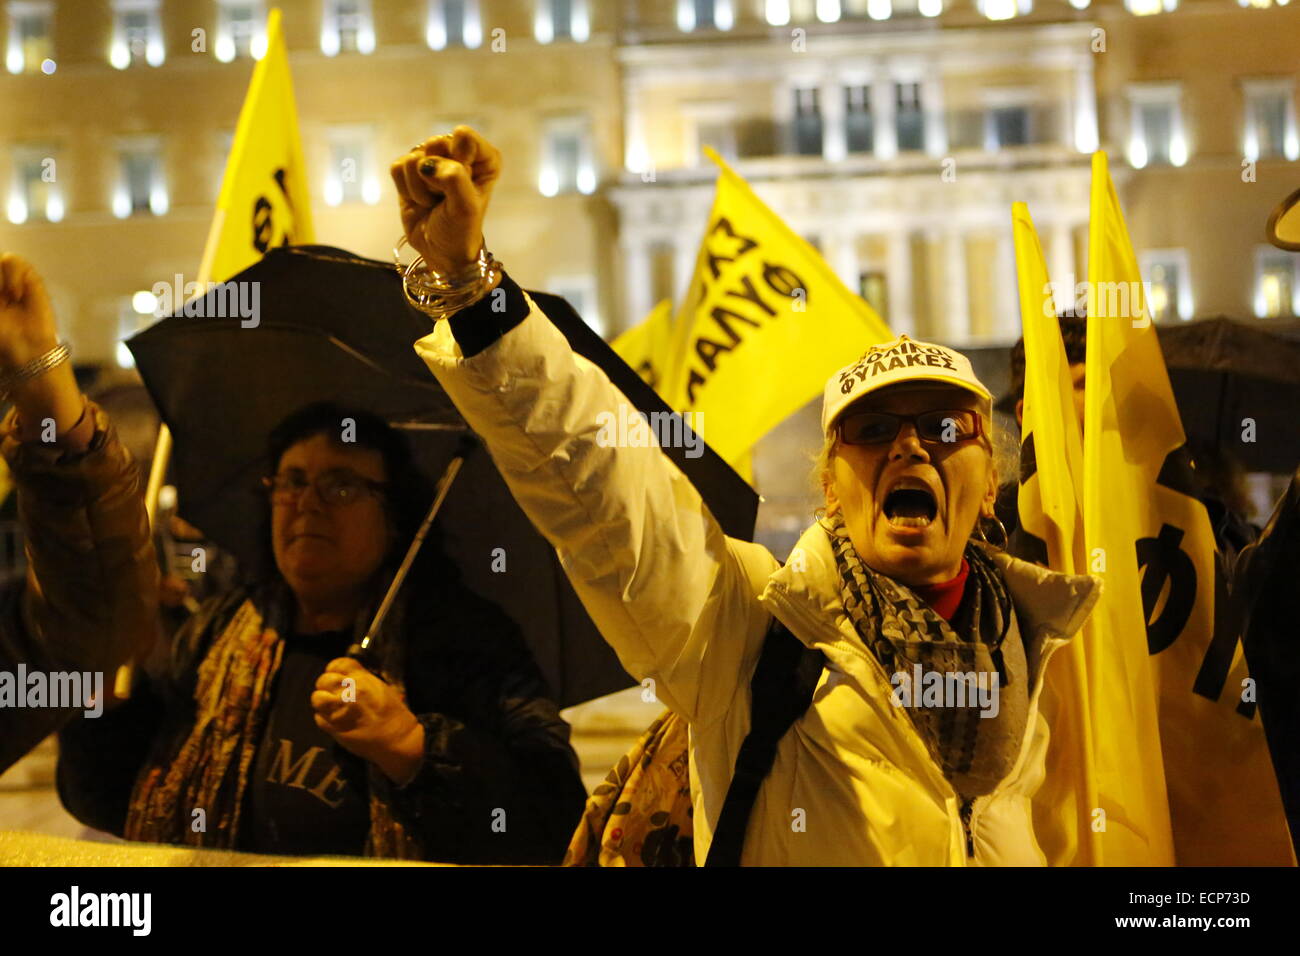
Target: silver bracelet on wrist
[37, 366]
[440, 296]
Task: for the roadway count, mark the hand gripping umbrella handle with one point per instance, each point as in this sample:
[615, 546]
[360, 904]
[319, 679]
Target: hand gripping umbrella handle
[364, 650]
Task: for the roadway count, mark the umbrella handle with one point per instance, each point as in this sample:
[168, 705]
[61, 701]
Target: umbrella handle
[363, 651]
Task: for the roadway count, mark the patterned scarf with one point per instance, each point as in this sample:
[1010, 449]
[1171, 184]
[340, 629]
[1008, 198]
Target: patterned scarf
[975, 752]
[641, 814]
[211, 769]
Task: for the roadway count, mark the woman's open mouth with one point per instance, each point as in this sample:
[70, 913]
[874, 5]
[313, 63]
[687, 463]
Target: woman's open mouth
[910, 504]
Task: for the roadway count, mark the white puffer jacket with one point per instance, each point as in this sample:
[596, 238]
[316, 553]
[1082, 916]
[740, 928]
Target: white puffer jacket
[685, 605]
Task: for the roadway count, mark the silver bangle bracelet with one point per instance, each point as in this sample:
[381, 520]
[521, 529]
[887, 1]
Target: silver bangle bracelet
[440, 296]
[37, 366]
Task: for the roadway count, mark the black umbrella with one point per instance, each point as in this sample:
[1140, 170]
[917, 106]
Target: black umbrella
[1238, 385]
[336, 326]
[1223, 372]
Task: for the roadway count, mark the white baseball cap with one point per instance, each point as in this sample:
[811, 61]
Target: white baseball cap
[890, 363]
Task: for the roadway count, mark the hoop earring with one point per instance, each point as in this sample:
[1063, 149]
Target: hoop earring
[1002, 531]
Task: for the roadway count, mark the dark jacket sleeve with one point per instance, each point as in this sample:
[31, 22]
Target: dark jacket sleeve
[499, 782]
[100, 758]
[91, 593]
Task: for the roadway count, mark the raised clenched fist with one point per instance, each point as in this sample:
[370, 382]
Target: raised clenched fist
[444, 187]
[27, 327]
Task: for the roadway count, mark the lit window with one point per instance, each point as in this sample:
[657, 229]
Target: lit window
[777, 12]
[140, 187]
[909, 120]
[1277, 291]
[877, 9]
[858, 132]
[31, 42]
[351, 176]
[1270, 120]
[828, 11]
[346, 27]
[561, 20]
[1005, 9]
[567, 163]
[454, 23]
[873, 287]
[1007, 126]
[807, 123]
[35, 193]
[241, 31]
[137, 34]
[1145, 8]
[704, 15]
[1156, 133]
[1167, 285]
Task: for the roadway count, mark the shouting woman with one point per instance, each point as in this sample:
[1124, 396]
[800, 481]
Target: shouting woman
[921, 742]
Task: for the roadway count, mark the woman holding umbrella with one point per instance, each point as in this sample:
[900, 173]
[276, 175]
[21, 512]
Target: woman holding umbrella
[890, 591]
[254, 730]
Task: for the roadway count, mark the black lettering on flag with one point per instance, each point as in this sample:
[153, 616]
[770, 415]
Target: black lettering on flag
[708, 351]
[692, 383]
[749, 295]
[265, 220]
[263, 225]
[720, 318]
[1162, 559]
[1212, 677]
[784, 281]
[723, 225]
[713, 261]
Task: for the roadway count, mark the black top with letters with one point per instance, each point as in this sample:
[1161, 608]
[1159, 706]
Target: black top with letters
[307, 795]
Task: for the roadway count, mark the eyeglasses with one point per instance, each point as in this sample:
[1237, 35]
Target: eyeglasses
[943, 426]
[332, 487]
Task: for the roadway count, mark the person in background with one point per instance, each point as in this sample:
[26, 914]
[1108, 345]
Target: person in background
[253, 730]
[1074, 333]
[1220, 477]
[89, 597]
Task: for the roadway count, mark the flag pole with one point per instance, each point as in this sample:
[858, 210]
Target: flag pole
[162, 449]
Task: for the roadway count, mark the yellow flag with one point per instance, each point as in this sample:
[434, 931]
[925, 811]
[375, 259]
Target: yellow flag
[765, 322]
[1049, 506]
[645, 347]
[1164, 570]
[264, 200]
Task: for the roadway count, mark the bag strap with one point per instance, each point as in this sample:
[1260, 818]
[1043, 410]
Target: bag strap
[779, 692]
